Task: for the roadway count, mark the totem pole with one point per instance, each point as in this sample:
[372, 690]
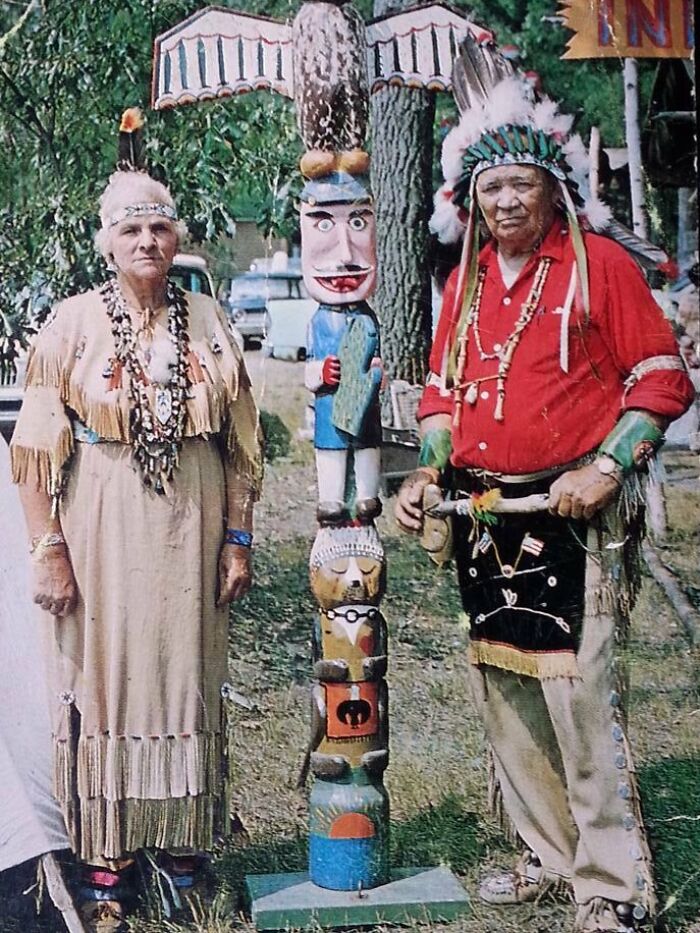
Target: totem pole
[329, 62]
[349, 808]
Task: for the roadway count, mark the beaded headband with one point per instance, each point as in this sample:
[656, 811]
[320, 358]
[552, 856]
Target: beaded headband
[140, 210]
[512, 145]
[332, 544]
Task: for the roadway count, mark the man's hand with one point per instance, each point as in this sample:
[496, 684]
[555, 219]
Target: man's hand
[330, 371]
[55, 589]
[581, 493]
[409, 503]
[235, 573]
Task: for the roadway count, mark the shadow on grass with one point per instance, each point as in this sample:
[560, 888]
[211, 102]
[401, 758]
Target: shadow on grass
[671, 794]
[272, 625]
[446, 834]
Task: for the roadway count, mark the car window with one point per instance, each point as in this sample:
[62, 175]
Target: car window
[192, 280]
[263, 287]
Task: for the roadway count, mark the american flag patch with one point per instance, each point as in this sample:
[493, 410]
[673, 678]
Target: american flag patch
[532, 545]
[485, 542]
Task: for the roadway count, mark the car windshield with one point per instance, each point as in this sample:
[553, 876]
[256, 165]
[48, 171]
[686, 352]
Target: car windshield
[192, 280]
[260, 286]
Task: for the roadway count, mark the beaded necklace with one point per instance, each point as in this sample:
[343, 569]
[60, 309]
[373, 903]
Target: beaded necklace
[469, 390]
[156, 428]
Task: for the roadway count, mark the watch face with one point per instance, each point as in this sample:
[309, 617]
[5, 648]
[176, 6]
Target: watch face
[606, 465]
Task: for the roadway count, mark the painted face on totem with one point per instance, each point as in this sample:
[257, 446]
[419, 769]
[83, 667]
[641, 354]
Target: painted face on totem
[338, 252]
[517, 202]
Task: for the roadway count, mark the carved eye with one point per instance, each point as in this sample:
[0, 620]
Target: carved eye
[357, 223]
[325, 225]
[340, 565]
[366, 564]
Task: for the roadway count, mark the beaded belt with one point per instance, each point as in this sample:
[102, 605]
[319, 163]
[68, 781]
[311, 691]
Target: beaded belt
[491, 478]
[85, 435]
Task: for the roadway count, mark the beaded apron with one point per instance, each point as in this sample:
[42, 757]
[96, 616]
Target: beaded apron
[522, 580]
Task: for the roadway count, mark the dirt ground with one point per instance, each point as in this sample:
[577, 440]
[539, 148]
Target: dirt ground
[437, 777]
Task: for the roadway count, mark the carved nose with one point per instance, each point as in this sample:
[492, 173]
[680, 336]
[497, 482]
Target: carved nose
[353, 576]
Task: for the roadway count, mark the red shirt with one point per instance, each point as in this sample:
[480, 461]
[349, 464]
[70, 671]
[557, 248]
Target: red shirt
[552, 417]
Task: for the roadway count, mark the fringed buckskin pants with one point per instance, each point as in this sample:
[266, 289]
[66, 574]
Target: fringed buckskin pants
[564, 775]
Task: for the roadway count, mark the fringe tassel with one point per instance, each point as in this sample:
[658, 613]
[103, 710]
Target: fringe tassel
[42, 467]
[122, 794]
[109, 829]
[529, 664]
[45, 371]
[207, 413]
[496, 804]
[244, 446]
[148, 767]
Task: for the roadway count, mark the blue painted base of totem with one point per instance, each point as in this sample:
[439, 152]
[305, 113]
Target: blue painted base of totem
[291, 901]
[347, 864]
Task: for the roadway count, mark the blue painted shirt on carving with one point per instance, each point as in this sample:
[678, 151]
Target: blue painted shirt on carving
[326, 331]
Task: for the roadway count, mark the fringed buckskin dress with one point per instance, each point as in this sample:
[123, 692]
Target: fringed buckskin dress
[138, 671]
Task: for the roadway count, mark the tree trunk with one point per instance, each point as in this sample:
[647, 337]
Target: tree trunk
[402, 137]
[634, 146]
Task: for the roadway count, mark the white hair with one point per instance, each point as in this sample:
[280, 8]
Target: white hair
[127, 189]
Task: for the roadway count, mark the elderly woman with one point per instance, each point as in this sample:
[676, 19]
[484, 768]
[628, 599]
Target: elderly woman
[138, 458]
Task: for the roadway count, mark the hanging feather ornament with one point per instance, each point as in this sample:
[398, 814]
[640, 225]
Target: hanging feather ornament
[131, 155]
[478, 68]
[331, 88]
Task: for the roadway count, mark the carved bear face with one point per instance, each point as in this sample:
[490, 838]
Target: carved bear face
[350, 579]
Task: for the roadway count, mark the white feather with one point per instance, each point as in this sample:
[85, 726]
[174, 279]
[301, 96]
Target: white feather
[452, 150]
[576, 155]
[510, 102]
[544, 114]
[446, 221]
[561, 124]
[597, 213]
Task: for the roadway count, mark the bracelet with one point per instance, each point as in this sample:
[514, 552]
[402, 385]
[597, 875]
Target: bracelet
[50, 539]
[241, 538]
[633, 441]
[435, 449]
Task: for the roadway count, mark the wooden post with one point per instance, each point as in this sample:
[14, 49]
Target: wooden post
[60, 894]
[594, 160]
[634, 146]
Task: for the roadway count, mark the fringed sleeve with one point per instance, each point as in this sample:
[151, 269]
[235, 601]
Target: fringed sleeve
[43, 438]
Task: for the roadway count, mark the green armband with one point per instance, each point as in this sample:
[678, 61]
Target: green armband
[633, 441]
[436, 448]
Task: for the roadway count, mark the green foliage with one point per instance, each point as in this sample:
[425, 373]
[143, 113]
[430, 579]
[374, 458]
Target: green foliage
[671, 792]
[65, 77]
[278, 437]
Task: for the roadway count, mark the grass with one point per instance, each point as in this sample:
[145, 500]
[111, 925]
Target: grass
[437, 775]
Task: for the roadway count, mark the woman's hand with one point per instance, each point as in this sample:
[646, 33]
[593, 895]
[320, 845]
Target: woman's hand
[55, 589]
[235, 573]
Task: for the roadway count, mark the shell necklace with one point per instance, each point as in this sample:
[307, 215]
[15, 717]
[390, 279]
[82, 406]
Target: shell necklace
[469, 390]
[156, 427]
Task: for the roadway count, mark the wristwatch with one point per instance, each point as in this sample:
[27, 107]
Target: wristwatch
[608, 466]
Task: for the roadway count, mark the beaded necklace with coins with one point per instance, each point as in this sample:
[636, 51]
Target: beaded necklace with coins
[157, 427]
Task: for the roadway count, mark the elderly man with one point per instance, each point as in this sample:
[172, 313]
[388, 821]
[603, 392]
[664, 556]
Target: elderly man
[552, 372]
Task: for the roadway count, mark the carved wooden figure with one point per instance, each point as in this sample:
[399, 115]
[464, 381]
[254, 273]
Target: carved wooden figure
[329, 61]
[349, 748]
